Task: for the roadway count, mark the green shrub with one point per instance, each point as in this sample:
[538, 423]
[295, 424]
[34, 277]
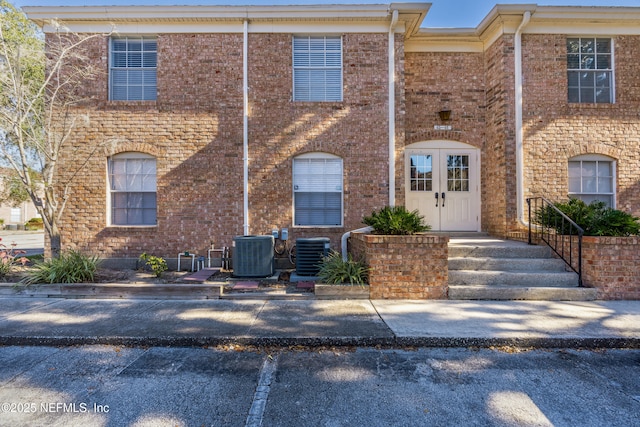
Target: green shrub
[34, 224]
[334, 270]
[596, 219]
[396, 220]
[157, 264]
[70, 267]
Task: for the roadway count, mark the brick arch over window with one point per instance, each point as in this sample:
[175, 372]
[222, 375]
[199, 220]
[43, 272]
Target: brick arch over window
[598, 148]
[118, 147]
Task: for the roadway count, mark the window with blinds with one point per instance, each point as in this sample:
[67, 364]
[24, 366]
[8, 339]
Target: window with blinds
[317, 68]
[132, 181]
[317, 191]
[132, 71]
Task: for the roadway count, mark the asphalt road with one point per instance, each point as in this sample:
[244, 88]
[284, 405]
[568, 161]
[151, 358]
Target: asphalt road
[112, 386]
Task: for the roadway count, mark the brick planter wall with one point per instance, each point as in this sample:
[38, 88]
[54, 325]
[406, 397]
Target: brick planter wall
[404, 267]
[612, 265]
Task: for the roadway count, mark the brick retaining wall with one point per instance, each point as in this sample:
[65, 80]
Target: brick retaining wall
[612, 265]
[404, 267]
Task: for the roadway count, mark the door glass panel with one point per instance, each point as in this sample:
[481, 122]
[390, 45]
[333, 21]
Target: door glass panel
[458, 173]
[421, 173]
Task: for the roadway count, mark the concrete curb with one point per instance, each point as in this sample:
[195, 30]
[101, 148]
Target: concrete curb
[318, 342]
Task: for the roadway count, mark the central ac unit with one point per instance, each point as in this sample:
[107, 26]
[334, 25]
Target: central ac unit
[253, 256]
[309, 253]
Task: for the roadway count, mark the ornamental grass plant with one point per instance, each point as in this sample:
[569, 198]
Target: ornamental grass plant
[396, 220]
[71, 267]
[336, 271]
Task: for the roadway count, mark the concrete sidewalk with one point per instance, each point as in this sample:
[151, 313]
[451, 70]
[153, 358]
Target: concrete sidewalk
[542, 324]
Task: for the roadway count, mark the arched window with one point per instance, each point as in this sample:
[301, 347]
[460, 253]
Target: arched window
[132, 185]
[317, 190]
[592, 177]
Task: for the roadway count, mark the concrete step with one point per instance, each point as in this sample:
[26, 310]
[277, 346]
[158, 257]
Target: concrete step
[507, 264]
[521, 293]
[497, 250]
[513, 278]
[485, 268]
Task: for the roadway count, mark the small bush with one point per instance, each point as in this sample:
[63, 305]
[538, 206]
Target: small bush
[396, 220]
[334, 270]
[10, 258]
[157, 264]
[70, 267]
[596, 219]
[34, 224]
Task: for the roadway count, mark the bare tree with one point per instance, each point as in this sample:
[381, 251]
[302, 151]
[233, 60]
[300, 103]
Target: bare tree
[41, 87]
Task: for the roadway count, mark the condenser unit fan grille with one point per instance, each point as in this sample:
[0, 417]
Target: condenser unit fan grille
[309, 253]
[253, 256]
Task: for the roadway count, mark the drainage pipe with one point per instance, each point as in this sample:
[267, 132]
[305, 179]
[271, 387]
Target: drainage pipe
[518, 113]
[345, 236]
[245, 125]
[392, 109]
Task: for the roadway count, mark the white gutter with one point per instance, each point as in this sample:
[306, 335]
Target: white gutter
[392, 109]
[245, 124]
[519, 138]
[345, 236]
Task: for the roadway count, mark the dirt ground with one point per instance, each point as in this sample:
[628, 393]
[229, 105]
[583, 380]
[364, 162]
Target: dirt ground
[106, 275]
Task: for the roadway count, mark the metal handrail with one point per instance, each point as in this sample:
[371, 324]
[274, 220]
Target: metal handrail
[557, 234]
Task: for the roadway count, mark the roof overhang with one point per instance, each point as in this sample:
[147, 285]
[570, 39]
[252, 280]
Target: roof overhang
[505, 19]
[361, 18]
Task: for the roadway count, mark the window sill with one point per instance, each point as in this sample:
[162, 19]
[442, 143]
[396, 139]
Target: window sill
[132, 104]
[132, 227]
[592, 106]
[323, 227]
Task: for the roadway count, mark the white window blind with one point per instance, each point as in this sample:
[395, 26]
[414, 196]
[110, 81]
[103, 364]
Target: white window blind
[133, 190]
[132, 73]
[317, 191]
[317, 68]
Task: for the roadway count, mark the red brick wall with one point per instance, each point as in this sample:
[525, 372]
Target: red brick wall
[479, 89]
[195, 131]
[612, 265]
[435, 81]
[555, 130]
[404, 267]
[498, 156]
[355, 130]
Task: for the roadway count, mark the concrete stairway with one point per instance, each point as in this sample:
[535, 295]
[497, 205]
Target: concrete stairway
[485, 268]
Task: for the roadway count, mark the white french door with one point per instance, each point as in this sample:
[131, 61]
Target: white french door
[443, 185]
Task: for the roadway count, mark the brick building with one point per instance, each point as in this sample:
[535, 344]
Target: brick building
[215, 122]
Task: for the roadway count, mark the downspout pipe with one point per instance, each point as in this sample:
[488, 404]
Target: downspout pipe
[518, 118]
[345, 236]
[392, 108]
[245, 125]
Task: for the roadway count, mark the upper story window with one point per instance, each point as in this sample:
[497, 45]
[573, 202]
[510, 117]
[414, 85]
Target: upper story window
[591, 178]
[317, 68]
[132, 69]
[317, 190]
[132, 184]
[590, 70]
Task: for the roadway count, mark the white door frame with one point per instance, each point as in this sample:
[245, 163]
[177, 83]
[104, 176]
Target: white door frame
[474, 177]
